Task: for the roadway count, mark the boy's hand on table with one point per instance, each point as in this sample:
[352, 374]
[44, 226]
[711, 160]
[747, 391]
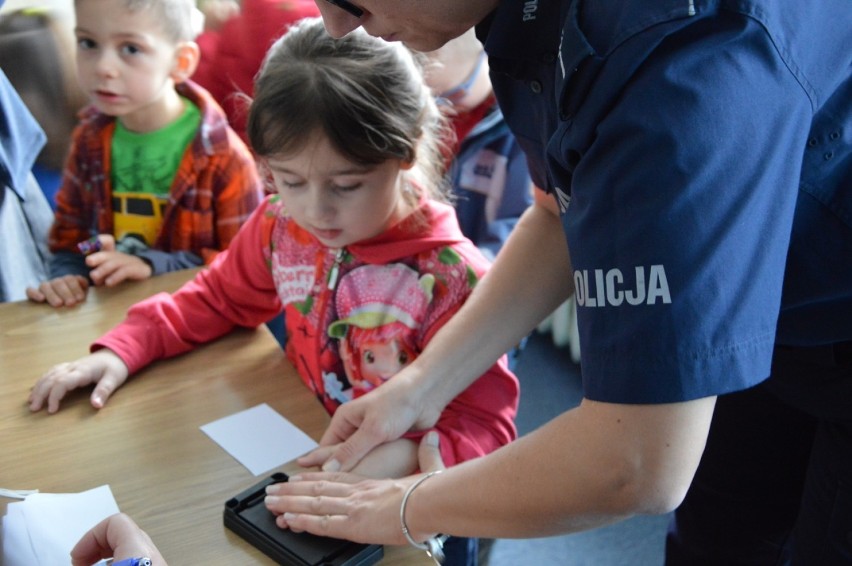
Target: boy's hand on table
[110, 268]
[65, 291]
[103, 368]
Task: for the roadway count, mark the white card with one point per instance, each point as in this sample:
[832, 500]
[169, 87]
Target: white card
[259, 438]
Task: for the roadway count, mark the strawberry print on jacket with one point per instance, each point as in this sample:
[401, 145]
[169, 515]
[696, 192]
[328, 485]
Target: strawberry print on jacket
[381, 311]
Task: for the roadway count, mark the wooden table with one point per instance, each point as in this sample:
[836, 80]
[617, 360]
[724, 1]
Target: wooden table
[146, 443]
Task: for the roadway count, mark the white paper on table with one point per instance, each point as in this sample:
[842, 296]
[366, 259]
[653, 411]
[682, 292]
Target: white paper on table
[43, 528]
[17, 548]
[259, 438]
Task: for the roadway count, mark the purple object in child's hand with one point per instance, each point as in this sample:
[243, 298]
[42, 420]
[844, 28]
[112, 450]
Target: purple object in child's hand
[89, 246]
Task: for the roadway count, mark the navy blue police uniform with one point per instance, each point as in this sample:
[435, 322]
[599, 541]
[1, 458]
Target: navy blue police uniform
[701, 155]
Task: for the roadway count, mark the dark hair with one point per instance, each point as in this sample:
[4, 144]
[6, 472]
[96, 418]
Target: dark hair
[366, 95]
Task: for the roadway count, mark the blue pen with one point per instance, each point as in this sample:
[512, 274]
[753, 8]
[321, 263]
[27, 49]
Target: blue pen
[128, 562]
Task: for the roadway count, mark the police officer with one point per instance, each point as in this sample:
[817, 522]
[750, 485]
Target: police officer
[697, 159]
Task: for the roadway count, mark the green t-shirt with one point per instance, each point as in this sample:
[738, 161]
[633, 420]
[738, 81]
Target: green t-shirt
[142, 170]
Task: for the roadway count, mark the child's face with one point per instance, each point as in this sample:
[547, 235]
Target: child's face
[125, 63]
[336, 200]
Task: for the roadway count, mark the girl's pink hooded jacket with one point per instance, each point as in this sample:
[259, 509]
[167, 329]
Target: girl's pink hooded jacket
[273, 262]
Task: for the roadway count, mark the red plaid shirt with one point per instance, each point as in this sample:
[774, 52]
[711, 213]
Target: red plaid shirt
[213, 193]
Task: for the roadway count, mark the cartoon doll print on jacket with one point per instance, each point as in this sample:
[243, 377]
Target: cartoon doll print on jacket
[381, 309]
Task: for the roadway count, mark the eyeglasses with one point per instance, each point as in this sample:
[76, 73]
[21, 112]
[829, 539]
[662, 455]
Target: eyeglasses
[347, 6]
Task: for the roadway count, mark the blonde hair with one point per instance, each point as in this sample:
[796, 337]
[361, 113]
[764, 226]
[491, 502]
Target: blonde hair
[366, 95]
[179, 18]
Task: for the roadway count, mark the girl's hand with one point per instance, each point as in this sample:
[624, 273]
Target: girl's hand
[347, 506]
[103, 368]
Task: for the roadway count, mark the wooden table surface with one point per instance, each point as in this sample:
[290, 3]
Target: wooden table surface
[146, 443]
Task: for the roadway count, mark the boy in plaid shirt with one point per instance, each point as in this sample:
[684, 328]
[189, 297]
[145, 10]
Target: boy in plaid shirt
[156, 180]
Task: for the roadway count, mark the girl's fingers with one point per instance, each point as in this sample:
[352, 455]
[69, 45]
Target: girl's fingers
[316, 457]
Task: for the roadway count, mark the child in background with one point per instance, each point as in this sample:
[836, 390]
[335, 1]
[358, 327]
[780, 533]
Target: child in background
[348, 132]
[37, 55]
[155, 175]
[24, 212]
[487, 168]
[233, 49]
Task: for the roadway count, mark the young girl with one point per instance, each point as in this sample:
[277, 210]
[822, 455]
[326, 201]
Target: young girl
[347, 131]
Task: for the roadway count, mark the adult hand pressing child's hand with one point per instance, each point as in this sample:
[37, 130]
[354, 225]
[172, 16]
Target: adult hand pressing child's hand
[103, 368]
